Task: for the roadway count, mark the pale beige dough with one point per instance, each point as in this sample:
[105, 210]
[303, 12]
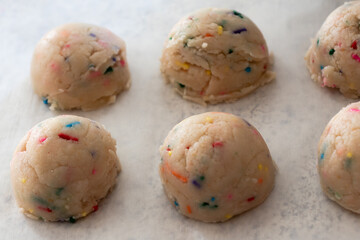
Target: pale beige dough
[79, 66]
[63, 167]
[215, 55]
[338, 158]
[215, 166]
[333, 58]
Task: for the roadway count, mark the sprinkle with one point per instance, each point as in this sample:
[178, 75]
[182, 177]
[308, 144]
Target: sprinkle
[202, 178]
[248, 69]
[355, 57]
[229, 196]
[122, 62]
[208, 35]
[176, 203]
[251, 199]
[181, 85]
[332, 51]
[260, 166]
[93, 153]
[317, 42]
[204, 45]
[354, 110]
[170, 152]
[45, 209]
[220, 30]
[338, 196]
[188, 209]
[23, 180]
[208, 72]
[321, 67]
[260, 180]
[72, 220]
[42, 139]
[354, 45]
[31, 210]
[322, 156]
[45, 100]
[170, 38]
[204, 204]
[214, 206]
[236, 13]
[212, 199]
[67, 137]
[349, 155]
[228, 216]
[114, 59]
[187, 147]
[70, 125]
[84, 214]
[93, 171]
[108, 70]
[95, 208]
[347, 163]
[196, 184]
[58, 191]
[217, 144]
[177, 175]
[238, 31]
[92, 35]
[230, 51]
[168, 148]
[184, 66]
[209, 119]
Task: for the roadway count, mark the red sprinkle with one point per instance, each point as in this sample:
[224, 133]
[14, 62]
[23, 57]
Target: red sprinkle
[250, 199]
[208, 35]
[355, 57]
[96, 207]
[67, 137]
[217, 144]
[187, 147]
[354, 45]
[122, 62]
[168, 149]
[44, 209]
[42, 139]
[93, 171]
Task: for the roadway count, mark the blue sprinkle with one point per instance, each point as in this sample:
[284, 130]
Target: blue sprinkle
[196, 184]
[238, 31]
[321, 67]
[114, 59]
[322, 156]
[93, 35]
[248, 69]
[176, 203]
[213, 199]
[45, 100]
[247, 123]
[93, 153]
[72, 124]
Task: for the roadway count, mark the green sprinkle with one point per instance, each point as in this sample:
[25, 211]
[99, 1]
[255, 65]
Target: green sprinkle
[41, 219]
[348, 162]
[58, 191]
[338, 196]
[204, 204]
[317, 42]
[214, 206]
[185, 45]
[238, 14]
[230, 51]
[72, 220]
[248, 69]
[170, 38]
[223, 23]
[108, 70]
[331, 52]
[40, 201]
[202, 178]
[181, 85]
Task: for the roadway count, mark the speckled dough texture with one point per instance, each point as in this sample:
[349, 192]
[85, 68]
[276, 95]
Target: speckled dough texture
[338, 158]
[333, 58]
[215, 55]
[63, 167]
[215, 166]
[79, 66]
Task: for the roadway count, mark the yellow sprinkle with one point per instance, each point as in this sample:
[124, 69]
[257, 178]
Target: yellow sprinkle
[23, 180]
[84, 214]
[184, 66]
[260, 166]
[170, 152]
[220, 30]
[209, 120]
[228, 216]
[31, 210]
[349, 154]
[208, 72]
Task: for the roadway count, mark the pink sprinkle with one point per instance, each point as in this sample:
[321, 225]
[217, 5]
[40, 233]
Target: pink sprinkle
[67, 46]
[354, 110]
[95, 74]
[217, 144]
[93, 171]
[42, 139]
[44, 209]
[339, 44]
[229, 196]
[263, 47]
[122, 62]
[312, 60]
[256, 132]
[54, 66]
[355, 57]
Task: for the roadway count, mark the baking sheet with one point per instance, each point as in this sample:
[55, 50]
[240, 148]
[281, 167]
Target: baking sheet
[290, 113]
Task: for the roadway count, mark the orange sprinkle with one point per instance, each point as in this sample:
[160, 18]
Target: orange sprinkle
[188, 209]
[260, 180]
[177, 175]
[208, 35]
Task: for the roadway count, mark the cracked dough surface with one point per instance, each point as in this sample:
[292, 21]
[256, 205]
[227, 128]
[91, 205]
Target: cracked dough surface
[338, 158]
[215, 166]
[333, 58]
[215, 55]
[63, 167]
[79, 66]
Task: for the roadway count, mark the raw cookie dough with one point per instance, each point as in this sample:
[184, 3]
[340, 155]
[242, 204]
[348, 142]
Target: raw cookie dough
[338, 158]
[333, 58]
[79, 66]
[215, 166]
[63, 167]
[215, 55]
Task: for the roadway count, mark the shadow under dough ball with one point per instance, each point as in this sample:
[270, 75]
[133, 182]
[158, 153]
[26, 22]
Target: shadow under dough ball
[63, 167]
[215, 55]
[79, 66]
[215, 166]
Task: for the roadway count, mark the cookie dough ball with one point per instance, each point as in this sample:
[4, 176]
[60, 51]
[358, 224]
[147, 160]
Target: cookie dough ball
[79, 66]
[215, 166]
[63, 167]
[215, 55]
[333, 58]
[339, 158]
